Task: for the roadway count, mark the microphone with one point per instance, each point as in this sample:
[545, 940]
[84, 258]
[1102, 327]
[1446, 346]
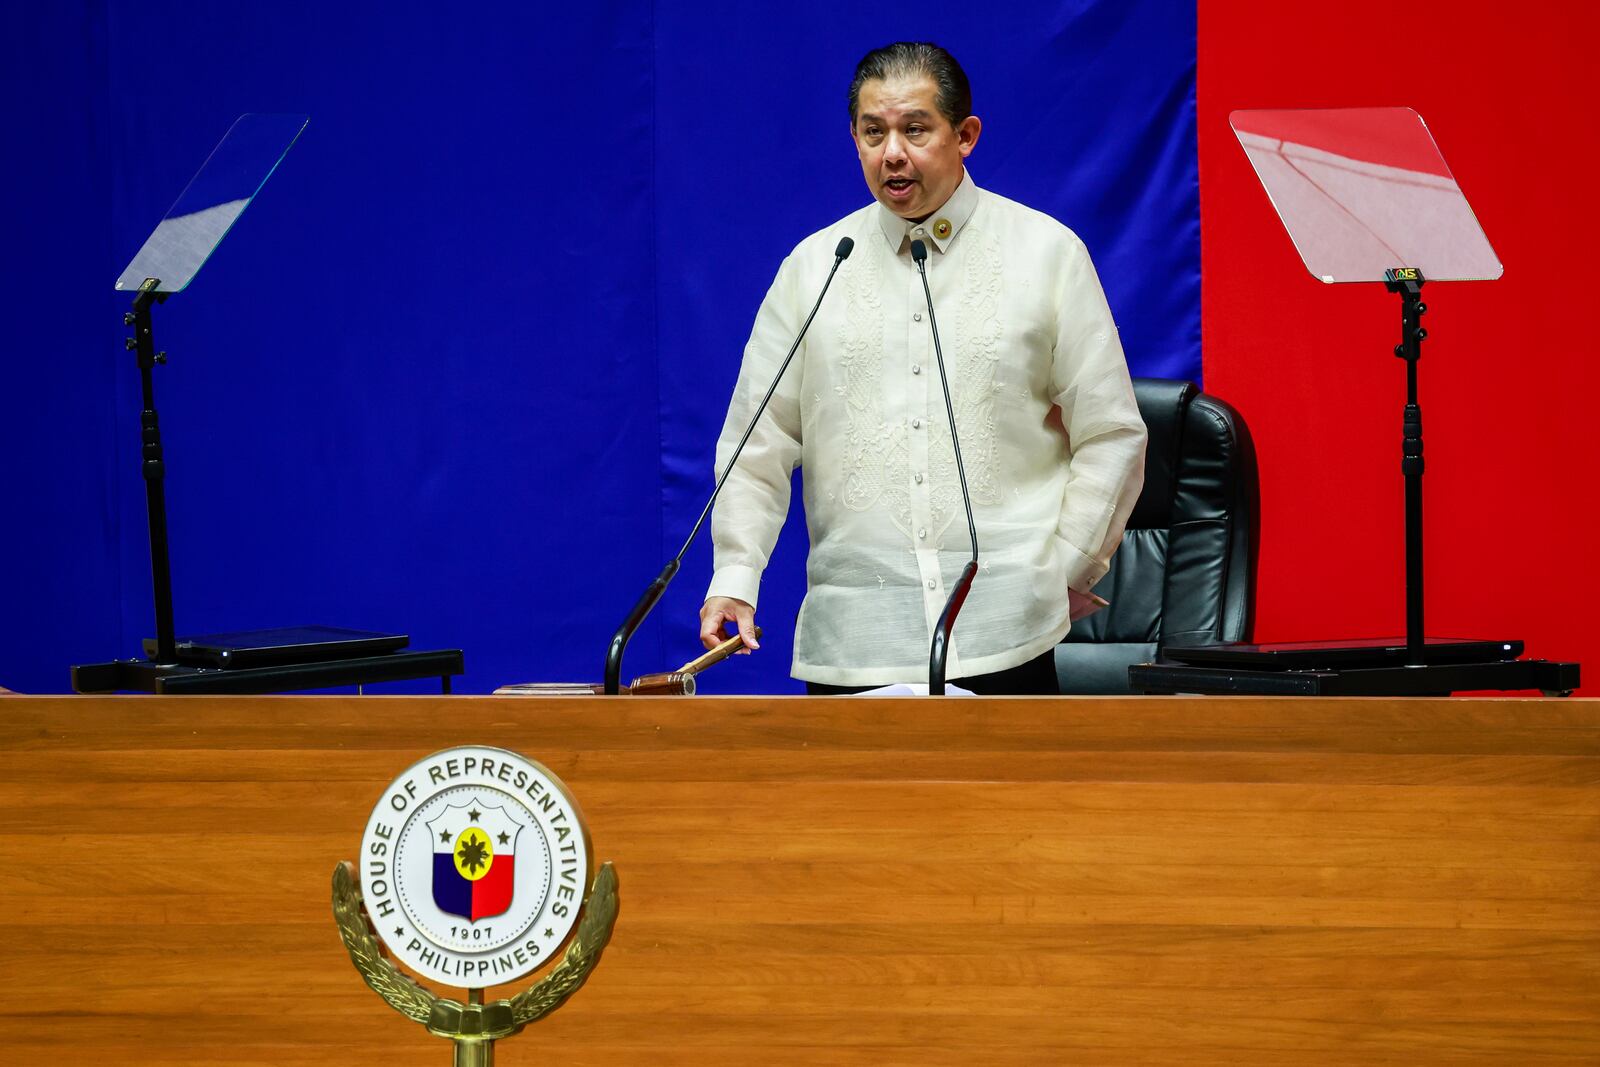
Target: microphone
[958, 595]
[652, 594]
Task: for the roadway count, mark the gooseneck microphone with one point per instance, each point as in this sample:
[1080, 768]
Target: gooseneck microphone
[653, 593]
[958, 595]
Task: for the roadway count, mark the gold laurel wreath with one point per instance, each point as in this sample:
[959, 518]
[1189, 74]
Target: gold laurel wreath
[470, 1022]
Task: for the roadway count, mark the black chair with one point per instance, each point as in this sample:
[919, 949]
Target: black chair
[1185, 572]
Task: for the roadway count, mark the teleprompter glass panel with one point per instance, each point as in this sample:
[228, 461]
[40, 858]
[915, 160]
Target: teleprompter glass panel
[1361, 190]
[213, 201]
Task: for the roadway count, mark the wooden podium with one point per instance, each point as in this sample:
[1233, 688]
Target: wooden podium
[840, 881]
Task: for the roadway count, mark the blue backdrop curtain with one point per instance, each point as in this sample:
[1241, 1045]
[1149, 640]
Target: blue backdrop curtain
[458, 371]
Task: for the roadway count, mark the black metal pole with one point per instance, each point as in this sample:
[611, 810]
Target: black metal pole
[1408, 283]
[1411, 464]
[153, 466]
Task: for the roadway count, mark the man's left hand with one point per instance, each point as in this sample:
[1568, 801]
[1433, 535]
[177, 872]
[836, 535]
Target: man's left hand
[1082, 605]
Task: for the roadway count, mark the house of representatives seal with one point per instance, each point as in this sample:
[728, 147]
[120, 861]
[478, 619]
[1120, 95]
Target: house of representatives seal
[475, 869]
[473, 866]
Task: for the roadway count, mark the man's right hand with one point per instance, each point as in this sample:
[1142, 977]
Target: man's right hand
[720, 609]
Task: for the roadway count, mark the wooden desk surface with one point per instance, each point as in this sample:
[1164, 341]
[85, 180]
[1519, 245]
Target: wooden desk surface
[836, 881]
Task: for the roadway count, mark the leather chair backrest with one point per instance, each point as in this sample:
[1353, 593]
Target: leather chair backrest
[1185, 572]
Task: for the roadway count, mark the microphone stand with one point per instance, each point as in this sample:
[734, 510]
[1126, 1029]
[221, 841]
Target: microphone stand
[653, 593]
[958, 596]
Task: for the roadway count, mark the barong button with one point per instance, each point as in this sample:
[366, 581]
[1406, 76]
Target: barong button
[916, 424]
[930, 583]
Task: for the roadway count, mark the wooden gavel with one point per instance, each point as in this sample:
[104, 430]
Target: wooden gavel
[681, 681]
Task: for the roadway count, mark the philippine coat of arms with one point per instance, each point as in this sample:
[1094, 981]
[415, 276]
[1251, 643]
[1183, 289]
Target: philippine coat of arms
[475, 870]
[474, 859]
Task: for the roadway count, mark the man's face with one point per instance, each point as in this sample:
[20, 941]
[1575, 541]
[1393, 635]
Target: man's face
[910, 154]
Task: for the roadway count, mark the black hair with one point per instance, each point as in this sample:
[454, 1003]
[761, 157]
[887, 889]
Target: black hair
[952, 93]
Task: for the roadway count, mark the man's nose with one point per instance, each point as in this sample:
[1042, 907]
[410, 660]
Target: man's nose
[894, 149]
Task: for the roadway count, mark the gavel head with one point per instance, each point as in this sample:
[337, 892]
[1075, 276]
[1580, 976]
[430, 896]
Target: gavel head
[677, 683]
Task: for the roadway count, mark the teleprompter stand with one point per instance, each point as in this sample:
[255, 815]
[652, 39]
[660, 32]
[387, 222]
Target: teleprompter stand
[1428, 666]
[276, 660]
[1309, 163]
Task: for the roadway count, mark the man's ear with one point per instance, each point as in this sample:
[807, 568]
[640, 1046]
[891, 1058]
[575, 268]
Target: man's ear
[967, 134]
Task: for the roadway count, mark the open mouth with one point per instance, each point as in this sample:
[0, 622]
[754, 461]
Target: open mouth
[899, 186]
